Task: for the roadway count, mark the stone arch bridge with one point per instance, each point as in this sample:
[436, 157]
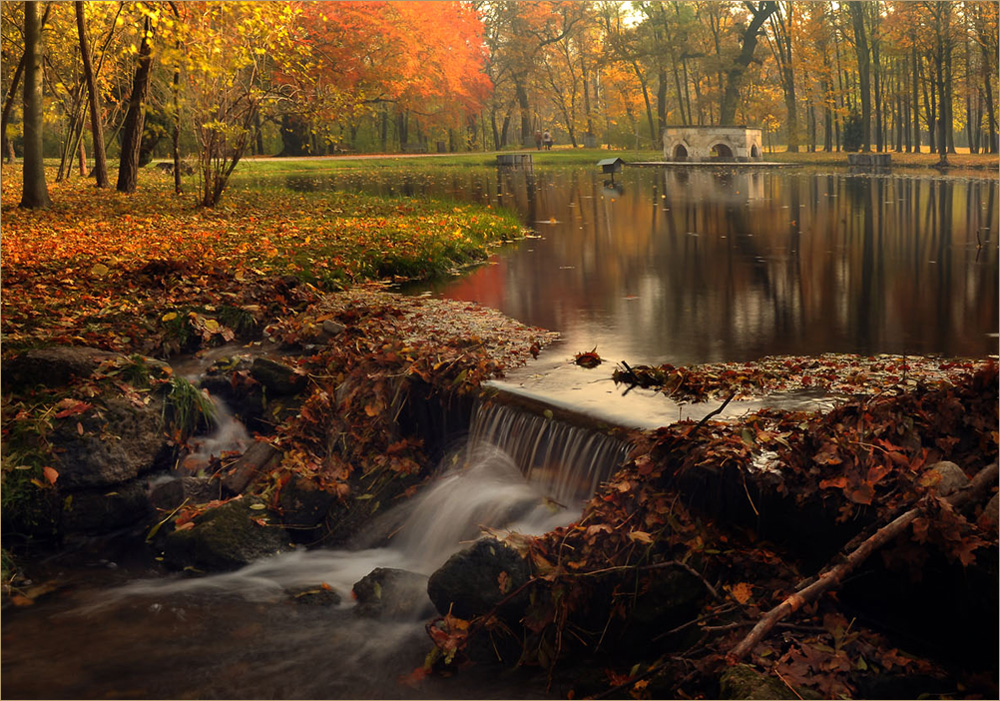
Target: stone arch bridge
[707, 144]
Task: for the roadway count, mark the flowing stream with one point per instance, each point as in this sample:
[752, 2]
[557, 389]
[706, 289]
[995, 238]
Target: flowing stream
[242, 634]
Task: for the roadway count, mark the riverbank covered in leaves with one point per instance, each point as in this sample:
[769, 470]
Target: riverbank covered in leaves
[151, 273]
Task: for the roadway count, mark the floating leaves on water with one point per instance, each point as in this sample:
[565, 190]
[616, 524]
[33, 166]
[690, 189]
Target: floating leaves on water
[588, 360]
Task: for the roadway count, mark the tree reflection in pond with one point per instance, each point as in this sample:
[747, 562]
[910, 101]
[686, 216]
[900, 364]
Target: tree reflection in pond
[712, 263]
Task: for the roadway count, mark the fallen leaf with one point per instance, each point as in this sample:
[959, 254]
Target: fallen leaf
[641, 537]
[742, 591]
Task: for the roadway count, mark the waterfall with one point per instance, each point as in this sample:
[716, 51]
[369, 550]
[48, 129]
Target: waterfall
[565, 462]
[518, 471]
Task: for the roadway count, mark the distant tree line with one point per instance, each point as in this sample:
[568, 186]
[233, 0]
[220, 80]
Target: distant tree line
[219, 80]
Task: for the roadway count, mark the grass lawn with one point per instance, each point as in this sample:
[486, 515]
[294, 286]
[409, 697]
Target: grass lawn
[323, 164]
[570, 157]
[146, 272]
[963, 161]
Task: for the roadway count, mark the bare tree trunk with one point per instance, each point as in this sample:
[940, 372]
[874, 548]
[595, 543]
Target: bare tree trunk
[96, 127]
[943, 17]
[988, 96]
[864, 68]
[734, 74]
[35, 194]
[915, 100]
[645, 96]
[881, 138]
[135, 118]
[522, 101]
[8, 104]
[83, 158]
[949, 88]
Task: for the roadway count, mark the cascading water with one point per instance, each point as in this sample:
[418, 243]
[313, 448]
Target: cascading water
[517, 471]
[241, 634]
[565, 462]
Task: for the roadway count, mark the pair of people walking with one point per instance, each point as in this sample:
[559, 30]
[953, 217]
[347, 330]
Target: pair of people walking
[543, 139]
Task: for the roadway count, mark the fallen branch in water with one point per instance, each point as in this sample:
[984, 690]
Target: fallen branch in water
[832, 576]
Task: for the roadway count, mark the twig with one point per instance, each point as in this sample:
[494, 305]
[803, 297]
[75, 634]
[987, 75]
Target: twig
[654, 566]
[785, 681]
[709, 415]
[832, 576]
[694, 621]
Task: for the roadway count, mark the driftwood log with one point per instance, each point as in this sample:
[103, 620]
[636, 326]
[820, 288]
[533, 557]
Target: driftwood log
[833, 575]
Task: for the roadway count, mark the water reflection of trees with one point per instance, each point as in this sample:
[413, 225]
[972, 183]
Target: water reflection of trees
[703, 264]
[707, 265]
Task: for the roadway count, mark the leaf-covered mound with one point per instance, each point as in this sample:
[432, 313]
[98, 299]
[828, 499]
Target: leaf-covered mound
[656, 591]
[840, 374]
[150, 272]
[380, 383]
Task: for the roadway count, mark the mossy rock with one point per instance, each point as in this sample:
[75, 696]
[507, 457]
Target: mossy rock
[744, 682]
[226, 537]
[278, 378]
[96, 511]
[110, 445]
[470, 584]
[52, 367]
[387, 592]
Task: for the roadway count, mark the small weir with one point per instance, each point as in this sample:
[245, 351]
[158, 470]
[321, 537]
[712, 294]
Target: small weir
[563, 461]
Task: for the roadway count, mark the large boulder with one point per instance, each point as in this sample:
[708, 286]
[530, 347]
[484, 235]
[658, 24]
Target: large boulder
[475, 580]
[387, 592]
[97, 511]
[225, 537]
[52, 367]
[108, 445]
[277, 378]
[304, 508]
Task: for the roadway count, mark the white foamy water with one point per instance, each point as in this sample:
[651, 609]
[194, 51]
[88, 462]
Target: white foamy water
[229, 434]
[479, 487]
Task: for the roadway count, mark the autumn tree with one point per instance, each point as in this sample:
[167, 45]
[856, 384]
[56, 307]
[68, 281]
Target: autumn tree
[36, 192]
[759, 14]
[12, 54]
[984, 21]
[230, 51]
[131, 135]
[782, 22]
[94, 99]
[416, 67]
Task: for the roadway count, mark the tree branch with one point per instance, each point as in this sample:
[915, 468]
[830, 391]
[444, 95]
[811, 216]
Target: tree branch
[832, 576]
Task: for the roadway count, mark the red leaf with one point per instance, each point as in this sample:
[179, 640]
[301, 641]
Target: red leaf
[588, 360]
[70, 407]
[51, 474]
[837, 482]
[414, 677]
